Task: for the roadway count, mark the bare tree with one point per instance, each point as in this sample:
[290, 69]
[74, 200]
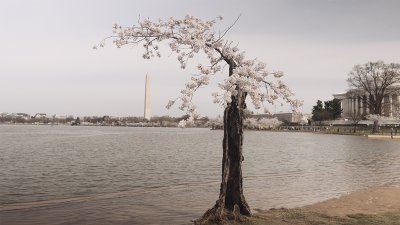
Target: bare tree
[376, 80]
[187, 37]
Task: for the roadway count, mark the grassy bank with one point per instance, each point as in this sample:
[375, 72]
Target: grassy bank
[304, 217]
[372, 206]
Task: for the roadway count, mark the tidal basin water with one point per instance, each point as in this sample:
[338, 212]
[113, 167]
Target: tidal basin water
[123, 175]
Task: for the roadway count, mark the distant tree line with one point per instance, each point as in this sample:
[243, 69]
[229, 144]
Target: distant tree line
[33, 120]
[329, 110]
[102, 120]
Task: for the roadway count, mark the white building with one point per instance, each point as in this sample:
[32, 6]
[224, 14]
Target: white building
[354, 102]
[287, 117]
[40, 116]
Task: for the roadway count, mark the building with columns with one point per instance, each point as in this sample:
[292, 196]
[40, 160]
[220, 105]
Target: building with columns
[354, 102]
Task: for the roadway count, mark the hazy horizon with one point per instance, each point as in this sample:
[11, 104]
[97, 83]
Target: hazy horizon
[48, 64]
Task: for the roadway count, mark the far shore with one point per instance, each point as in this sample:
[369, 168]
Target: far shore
[373, 206]
[384, 134]
[384, 137]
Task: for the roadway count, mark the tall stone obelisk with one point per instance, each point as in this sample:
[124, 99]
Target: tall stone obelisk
[147, 99]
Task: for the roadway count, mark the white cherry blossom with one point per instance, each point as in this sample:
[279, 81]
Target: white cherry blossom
[189, 36]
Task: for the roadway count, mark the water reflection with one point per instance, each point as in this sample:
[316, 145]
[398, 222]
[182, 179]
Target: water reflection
[109, 175]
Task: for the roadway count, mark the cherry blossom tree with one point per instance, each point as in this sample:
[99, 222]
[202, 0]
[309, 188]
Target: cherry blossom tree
[262, 124]
[245, 78]
[216, 123]
[250, 123]
[272, 123]
[378, 120]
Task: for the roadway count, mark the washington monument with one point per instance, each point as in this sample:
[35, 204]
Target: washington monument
[147, 99]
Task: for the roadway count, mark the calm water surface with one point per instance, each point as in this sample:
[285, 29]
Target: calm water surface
[119, 175]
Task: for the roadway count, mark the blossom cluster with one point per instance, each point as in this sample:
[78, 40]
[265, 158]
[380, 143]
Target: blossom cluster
[379, 118]
[262, 124]
[189, 36]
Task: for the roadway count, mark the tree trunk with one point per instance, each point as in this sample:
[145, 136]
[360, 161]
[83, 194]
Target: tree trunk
[375, 127]
[231, 192]
[231, 204]
[377, 111]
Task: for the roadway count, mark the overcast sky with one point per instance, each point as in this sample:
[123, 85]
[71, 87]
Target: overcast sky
[47, 63]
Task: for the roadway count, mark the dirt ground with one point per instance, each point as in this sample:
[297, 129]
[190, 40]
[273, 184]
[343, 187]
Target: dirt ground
[371, 201]
[374, 206]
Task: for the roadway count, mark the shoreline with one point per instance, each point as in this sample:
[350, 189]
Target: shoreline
[373, 200]
[372, 206]
[306, 129]
[383, 137]
[379, 205]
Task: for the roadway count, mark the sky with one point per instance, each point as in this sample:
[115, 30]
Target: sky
[47, 63]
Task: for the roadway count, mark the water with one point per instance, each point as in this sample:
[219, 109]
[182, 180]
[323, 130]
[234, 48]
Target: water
[120, 175]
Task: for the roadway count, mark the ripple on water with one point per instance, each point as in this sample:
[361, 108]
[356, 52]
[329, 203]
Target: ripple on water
[84, 175]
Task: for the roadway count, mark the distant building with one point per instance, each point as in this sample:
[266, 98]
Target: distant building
[4, 114]
[21, 116]
[286, 117]
[60, 117]
[40, 115]
[354, 102]
[289, 117]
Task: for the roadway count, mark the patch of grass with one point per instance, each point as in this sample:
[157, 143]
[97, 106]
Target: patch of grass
[387, 218]
[301, 217]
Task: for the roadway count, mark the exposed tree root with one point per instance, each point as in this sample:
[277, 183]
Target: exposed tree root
[220, 215]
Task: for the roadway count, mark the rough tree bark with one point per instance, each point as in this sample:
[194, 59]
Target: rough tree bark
[231, 204]
[232, 185]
